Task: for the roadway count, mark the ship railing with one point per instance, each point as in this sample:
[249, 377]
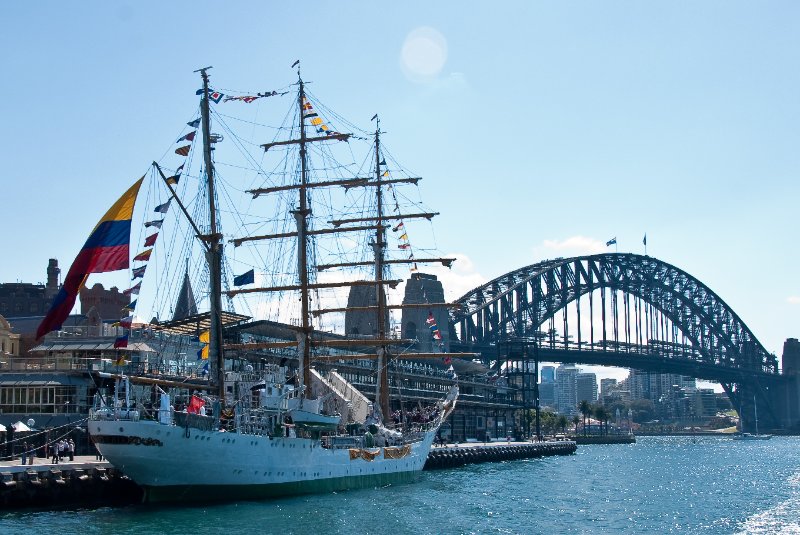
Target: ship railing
[343, 442]
[258, 422]
[194, 421]
[107, 413]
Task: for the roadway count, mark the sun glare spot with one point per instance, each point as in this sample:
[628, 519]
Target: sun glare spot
[423, 55]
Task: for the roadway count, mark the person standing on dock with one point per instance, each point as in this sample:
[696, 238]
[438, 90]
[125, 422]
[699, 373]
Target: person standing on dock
[71, 448]
[54, 450]
[24, 453]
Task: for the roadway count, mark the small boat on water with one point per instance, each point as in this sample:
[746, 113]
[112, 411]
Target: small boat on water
[751, 436]
[263, 431]
[756, 435]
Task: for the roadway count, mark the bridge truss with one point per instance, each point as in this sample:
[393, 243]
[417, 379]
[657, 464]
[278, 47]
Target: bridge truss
[619, 309]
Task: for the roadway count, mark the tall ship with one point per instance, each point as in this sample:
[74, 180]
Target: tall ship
[265, 427]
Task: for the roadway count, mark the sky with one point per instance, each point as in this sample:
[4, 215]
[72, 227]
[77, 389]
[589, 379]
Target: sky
[542, 129]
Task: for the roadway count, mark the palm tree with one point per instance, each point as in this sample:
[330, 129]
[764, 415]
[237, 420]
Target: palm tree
[586, 411]
[602, 416]
[562, 423]
[575, 421]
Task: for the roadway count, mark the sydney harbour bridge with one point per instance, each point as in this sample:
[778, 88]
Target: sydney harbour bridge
[631, 311]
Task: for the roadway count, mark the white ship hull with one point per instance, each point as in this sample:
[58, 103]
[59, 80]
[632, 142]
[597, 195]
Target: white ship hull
[186, 464]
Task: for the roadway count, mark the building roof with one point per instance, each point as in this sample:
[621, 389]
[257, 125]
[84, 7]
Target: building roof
[193, 325]
[77, 344]
[42, 379]
[29, 324]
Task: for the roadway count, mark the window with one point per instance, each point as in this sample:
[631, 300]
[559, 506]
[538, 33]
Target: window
[34, 399]
[411, 330]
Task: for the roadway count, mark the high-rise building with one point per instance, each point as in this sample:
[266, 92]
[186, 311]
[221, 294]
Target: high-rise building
[548, 374]
[607, 385]
[547, 395]
[566, 389]
[586, 387]
[657, 386]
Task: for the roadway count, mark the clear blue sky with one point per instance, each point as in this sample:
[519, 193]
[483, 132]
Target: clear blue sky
[542, 128]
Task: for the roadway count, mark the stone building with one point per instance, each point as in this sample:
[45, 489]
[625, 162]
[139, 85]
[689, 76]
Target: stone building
[108, 304]
[20, 299]
[9, 341]
[423, 289]
[363, 322]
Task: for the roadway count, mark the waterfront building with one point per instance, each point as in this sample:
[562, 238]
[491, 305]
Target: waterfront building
[703, 403]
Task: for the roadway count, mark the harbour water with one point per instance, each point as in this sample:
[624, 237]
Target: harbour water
[658, 485]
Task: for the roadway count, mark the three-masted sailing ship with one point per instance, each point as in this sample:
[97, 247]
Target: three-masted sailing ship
[267, 432]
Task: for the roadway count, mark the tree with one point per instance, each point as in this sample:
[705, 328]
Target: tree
[562, 423]
[575, 421]
[586, 411]
[548, 422]
[602, 415]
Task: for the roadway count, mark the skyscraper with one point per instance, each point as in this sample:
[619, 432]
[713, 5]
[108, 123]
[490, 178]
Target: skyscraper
[586, 387]
[566, 389]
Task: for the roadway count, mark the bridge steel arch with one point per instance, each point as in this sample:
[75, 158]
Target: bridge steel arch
[516, 305]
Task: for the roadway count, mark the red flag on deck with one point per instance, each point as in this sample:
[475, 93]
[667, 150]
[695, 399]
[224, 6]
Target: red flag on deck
[194, 405]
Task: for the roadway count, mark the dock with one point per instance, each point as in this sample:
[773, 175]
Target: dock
[453, 455]
[85, 481]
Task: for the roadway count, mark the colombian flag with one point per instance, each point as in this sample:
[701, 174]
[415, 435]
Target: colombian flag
[107, 249]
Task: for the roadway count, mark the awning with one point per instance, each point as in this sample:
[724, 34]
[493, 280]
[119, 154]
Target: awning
[193, 325]
[31, 383]
[55, 345]
[44, 379]
[20, 427]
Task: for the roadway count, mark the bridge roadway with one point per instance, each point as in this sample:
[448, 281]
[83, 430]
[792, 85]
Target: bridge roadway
[645, 358]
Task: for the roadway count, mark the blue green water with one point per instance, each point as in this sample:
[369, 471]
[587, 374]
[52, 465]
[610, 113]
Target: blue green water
[659, 485]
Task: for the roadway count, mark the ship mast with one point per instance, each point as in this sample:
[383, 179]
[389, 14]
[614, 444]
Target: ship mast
[213, 251]
[301, 217]
[379, 247]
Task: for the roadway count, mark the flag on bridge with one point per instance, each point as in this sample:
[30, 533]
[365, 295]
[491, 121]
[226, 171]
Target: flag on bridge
[611, 242]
